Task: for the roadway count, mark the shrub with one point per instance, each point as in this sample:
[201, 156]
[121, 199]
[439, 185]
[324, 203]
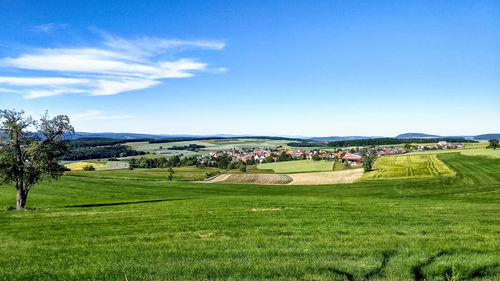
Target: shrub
[89, 168]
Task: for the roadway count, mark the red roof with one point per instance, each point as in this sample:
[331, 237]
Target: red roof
[351, 157]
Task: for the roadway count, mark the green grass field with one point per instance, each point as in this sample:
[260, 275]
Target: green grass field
[180, 173]
[404, 166]
[94, 228]
[210, 145]
[477, 149]
[299, 166]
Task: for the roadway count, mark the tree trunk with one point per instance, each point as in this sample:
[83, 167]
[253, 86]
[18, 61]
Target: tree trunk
[21, 198]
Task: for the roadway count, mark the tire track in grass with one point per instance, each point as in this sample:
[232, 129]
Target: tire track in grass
[418, 270]
[374, 273]
[408, 157]
[431, 167]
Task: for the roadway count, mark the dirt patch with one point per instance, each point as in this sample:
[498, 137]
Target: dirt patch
[330, 177]
[218, 178]
[345, 176]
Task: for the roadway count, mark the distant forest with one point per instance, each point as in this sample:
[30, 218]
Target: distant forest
[191, 147]
[377, 142]
[93, 148]
[92, 142]
[165, 140]
[392, 141]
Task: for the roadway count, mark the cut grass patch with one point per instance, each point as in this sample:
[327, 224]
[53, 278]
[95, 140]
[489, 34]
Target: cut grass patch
[299, 166]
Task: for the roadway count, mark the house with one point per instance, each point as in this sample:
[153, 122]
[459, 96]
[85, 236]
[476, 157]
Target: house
[352, 159]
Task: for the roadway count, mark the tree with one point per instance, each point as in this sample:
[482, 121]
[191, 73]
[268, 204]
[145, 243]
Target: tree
[89, 168]
[27, 158]
[493, 144]
[316, 157]
[242, 167]
[368, 161]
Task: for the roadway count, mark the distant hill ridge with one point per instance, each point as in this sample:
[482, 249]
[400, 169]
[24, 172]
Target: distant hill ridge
[79, 135]
[415, 135]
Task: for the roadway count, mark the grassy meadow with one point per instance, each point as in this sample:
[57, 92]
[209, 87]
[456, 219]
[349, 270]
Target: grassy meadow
[298, 166]
[211, 145]
[89, 227]
[405, 166]
[180, 173]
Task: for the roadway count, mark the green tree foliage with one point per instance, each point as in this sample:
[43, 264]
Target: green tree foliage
[88, 168]
[161, 162]
[493, 144]
[368, 161]
[284, 157]
[113, 151]
[93, 142]
[316, 157]
[306, 144]
[191, 147]
[268, 159]
[392, 141]
[242, 167]
[27, 158]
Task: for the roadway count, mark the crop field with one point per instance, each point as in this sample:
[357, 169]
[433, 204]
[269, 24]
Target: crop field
[299, 166]
[256, 178]
[404, 166]
[86, 227]
[79, 165]
[211, 145]
[331, 177]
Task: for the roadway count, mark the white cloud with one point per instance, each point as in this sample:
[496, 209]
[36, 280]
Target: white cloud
[33, 94]
[8, 90]
[48, 27]
[109, 87]
[95, 115]
[120, 66]
[40, 81]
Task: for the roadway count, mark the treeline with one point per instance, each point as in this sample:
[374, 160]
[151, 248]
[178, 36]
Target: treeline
[393, 141]
[222, 162]
[162, 162]
[95, 152]
[177, 139]
[91, 142]
[306, 144]
[191, 147]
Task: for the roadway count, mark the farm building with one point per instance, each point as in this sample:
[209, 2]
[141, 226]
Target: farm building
[352, 158]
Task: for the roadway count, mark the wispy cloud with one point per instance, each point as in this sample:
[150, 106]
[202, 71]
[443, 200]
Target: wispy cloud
[96, 115]
[117, 66]
[48, 27]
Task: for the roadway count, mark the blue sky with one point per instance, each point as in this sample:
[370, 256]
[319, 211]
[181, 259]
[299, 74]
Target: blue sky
[311, 68]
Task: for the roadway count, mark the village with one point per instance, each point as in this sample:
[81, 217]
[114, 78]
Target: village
[441, 145]
[259, 156]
